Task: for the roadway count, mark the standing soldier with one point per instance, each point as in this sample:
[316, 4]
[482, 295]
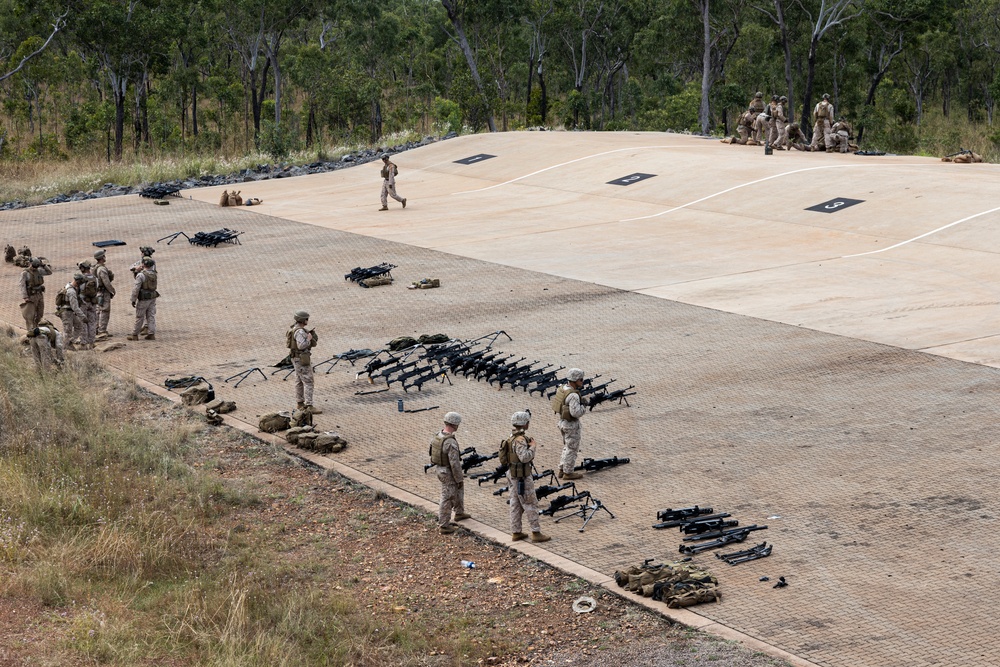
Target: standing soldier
[33, 291]
[69, 311]
[147, 252]
[88, 304]
[105, 292]
[389, 172]
[779, 122]
[144, 297]
[446, 456]
[823, 117]
[300, 341]
[568, 405]
[517, 452]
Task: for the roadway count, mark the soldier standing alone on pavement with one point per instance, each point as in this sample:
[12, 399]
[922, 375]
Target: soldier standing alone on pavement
[567, 404]
[105, 292]
[446, 456]
[69, 311]
[517, 452]
[33, 291]
[300, 341]
[143, 299]
[389, 172]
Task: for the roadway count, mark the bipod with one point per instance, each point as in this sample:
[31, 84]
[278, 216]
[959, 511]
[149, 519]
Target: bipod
[244, 375]
[289, 371]
[173, 237]
[587, 510]
[491, 336]
[762, 550]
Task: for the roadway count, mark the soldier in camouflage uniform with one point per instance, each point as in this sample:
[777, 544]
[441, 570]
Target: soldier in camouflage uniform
[88, 304]
[32, 285]
[567, 404]
[144, 296]
[105, 292]
[389, 172]
[823, 116]
[840, 135]
[300, 341]
[517, 452]
[446, 456]
[70, 313]
[46, 343]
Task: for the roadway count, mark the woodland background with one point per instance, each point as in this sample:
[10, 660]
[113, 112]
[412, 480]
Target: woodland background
[148, 79]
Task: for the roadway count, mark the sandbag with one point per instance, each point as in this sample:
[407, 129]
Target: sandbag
[224, 198]
[273, 422]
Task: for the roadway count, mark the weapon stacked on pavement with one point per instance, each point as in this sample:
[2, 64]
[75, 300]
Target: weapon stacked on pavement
[359, 274]
[762, 550]
[159, 191]
[593, 465]
[710, 530]
[212, 239]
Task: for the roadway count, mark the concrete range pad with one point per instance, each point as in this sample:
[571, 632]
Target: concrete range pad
[869, 461]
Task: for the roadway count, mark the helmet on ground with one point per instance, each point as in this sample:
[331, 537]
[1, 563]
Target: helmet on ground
[301, 316]
[574, 375]
[520, 419]
[453, 418]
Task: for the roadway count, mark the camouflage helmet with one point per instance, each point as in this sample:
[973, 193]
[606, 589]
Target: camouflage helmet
[826, 96]
[774, 98]
[78, 277]
[36, 262]
[148, 261]
[85, 265]
[146, 251]
[385, 156]
[574, 375]
[99, 254]
[758, 94]
[453, 418]
[794, 126]
[301, 316]
[520, 419]
[783, 98]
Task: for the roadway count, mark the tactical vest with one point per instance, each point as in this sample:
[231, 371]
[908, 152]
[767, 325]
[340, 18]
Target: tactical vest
[148, 290]
[111, 275]
[756, 106]
[89, 290]
[559, 401]
[36, 282]
[62, 300]
[385, 172]
[822, 110]
[508, 456]
[293, 347]
[436, 450]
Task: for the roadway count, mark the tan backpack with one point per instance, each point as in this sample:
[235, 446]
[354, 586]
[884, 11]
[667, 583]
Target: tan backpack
[273, 422]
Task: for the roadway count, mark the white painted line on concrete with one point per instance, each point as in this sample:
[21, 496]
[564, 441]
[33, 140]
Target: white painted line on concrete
[768, 178]
[556, 166]
[925, 234]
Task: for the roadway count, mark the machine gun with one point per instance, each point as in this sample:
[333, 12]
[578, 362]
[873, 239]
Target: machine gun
[425, 374]
[475, 459]
[560, 503]
[593, 465]
[619, 395]
[494, 476]
[541, 491]
[358, 273]
[960, 151]
[682, 513]
[351, 356]
[762, 550]
[467, 450]
[587, 510]
[722, 538]
[723, 532]
[684, 521]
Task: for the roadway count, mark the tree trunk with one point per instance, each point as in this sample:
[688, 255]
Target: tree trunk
[810, 78]
[787, 48]
[706, 66]
[451, 7]
[194, 109]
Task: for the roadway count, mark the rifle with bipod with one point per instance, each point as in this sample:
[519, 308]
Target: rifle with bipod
[960, 151]
[357, 274]
[351, 356]
[498, 369]
[724, 537]
[538, 379]
[475, 459]
[388, 373]
[410, 371]
[485, 368]
[560, 503]
[492, 476]
[516, 374]
[587, 510]
[593, 465]
[537, 476]
[467, 450]
[762, 550]
[699, 526]
[542, 386]
[428, 373]
[619, 395]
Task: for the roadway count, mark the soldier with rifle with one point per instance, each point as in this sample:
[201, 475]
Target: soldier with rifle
[446, 457]
[300, 342]
[568, 405]
[517, 452]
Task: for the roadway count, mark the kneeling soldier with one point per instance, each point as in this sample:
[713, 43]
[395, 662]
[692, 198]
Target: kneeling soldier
[446, 456]
[517, 452]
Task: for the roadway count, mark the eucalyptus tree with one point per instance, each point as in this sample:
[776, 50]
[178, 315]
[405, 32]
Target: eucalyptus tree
[458, 12]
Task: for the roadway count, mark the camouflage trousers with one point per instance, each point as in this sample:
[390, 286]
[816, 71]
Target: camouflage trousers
[145, 314]
[389, 190]
[570, 429]
[89, 332]
[303, 381]
[32, 310]
[72, 325]
[523, 505]
[452, 496]
[821, 131]
[44, 353]
[103, 312]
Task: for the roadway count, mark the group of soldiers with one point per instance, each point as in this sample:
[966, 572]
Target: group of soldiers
[767, 124]
[517, 452]
[83, 305]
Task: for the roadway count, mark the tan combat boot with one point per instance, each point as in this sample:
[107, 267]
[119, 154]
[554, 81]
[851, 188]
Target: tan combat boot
[313, 409]
[131, 337]
[517, 537]
[462, 516]
[384, 208]
[150, 336]
[570, 475]
[449, 529]
[540, 537]
[404, 202]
